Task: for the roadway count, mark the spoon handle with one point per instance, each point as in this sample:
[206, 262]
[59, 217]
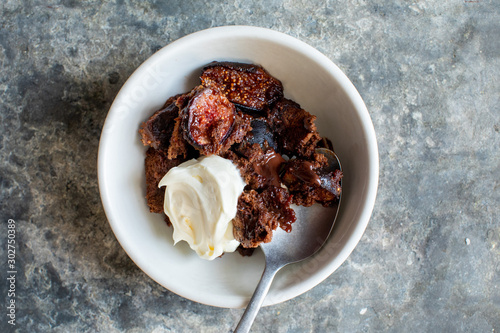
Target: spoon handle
[257, 299]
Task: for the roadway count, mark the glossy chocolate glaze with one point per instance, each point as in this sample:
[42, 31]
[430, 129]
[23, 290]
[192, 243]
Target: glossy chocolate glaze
[269, 167]
[304, 171]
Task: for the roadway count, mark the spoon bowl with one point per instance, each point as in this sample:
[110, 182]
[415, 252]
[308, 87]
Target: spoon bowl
[309, 233]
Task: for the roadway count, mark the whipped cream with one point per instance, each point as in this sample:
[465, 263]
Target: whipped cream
[200, 199]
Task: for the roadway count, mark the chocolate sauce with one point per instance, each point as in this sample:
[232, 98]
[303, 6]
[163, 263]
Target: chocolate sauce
[304, 171]
[269, 167]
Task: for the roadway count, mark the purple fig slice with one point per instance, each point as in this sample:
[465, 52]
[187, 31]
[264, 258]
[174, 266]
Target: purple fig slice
[157, 130]
[249, 86]
[207, 120]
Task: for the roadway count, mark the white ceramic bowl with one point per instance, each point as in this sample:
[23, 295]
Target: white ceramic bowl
[310, 79]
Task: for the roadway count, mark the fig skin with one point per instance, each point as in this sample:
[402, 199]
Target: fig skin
[157, 130]
[207, 119]
[248, 86]
[238, 112]
[261, 133]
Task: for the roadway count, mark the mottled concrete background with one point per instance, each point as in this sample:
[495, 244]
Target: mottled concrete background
[429, 74]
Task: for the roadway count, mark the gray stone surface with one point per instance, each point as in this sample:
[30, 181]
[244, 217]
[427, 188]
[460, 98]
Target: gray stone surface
[429, 74]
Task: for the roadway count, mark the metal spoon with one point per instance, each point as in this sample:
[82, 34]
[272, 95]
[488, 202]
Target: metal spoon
[309, 233]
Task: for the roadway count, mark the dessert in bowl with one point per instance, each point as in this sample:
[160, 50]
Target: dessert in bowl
[219, 150]
[310, 79]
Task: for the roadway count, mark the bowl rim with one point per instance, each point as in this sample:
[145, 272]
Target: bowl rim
[315, 55]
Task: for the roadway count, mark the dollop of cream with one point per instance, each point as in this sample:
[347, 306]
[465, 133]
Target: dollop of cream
[200, 199]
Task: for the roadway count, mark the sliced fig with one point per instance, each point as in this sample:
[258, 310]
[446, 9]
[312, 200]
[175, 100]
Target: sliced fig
[157, 130]
[247, 85]
[261, 133]
[207, 120]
